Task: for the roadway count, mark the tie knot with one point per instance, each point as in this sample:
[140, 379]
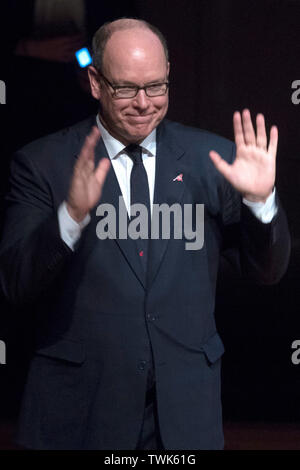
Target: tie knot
[135, 153]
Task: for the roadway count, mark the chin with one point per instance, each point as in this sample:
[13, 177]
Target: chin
[141, 131]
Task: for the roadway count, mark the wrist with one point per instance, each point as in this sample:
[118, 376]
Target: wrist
[75, 214]
[255, 198]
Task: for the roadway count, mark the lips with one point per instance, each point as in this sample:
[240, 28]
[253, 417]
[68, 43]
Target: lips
[140, 119]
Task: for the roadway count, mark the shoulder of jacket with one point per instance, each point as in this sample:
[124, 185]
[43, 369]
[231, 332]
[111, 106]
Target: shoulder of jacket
[193, 137]
[63, 142]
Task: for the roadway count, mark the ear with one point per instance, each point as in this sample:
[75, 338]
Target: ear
[168, 69]
[94, 82]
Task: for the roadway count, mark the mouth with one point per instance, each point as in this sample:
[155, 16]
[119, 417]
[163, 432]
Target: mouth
[140, 119]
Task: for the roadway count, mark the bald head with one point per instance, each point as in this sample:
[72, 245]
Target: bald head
[125, 25]
[128, 52]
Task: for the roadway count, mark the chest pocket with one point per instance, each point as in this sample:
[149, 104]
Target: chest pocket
[63, 349]
[213, 348]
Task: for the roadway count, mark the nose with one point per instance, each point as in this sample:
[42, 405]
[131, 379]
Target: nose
[141, 100]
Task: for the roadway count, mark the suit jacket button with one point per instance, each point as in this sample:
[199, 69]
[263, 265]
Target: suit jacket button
[142, 365]
[151, 317]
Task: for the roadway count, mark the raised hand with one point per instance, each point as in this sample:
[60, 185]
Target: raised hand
[253, 171]
[87, 182]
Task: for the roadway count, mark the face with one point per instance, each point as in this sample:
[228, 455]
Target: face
[131, 57]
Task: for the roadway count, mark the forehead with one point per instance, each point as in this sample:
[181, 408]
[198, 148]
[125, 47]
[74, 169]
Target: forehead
[135, 54]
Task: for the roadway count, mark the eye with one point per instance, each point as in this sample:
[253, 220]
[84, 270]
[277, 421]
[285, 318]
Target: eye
[156, 87]
[126, 92]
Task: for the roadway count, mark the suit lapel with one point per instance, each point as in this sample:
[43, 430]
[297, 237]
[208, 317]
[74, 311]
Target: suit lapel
[166, 190]
[110, 195]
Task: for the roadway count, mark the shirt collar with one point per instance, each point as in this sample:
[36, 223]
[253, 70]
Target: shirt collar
[114, 147]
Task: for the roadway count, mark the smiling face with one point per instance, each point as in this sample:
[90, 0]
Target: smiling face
[131, 57]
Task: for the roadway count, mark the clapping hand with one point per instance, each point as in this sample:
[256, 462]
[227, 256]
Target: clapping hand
[87, 181]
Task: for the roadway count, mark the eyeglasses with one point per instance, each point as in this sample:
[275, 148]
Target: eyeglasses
[125, 91]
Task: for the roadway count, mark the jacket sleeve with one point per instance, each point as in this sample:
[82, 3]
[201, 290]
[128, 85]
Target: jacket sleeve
[263, 248]
[32, 252]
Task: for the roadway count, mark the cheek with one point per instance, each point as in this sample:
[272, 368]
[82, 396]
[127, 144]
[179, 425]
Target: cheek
[161, 109]
[162, 104]
[120, 108]
[117, 112]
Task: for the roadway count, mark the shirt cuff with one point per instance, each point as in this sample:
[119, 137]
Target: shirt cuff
[264, 211]
[70, 230]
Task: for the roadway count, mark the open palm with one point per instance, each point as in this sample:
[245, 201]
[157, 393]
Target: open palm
[253, 171]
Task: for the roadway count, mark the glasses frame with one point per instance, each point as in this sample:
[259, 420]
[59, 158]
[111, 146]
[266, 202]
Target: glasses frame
[136, 88]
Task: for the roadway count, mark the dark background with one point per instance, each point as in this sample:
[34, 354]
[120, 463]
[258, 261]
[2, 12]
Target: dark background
[225, 55]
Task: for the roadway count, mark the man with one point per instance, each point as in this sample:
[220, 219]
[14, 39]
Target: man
[127, 354]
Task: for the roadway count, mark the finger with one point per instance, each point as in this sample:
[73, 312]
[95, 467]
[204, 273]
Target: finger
[238, 129]
[88, 149]
[272, 150]
[221, 165]
[249, 134]
[261, 136]
[102, 170]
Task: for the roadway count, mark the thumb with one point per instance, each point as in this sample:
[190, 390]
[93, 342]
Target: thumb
[221, 165]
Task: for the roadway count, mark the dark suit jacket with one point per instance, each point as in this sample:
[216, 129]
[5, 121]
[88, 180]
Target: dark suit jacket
[96, 320]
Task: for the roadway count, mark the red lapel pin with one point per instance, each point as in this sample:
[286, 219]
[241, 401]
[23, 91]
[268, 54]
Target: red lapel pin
[179, 178]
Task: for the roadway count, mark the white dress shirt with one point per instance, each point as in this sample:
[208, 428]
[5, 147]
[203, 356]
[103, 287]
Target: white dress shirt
[122, 163]
[70, 230]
